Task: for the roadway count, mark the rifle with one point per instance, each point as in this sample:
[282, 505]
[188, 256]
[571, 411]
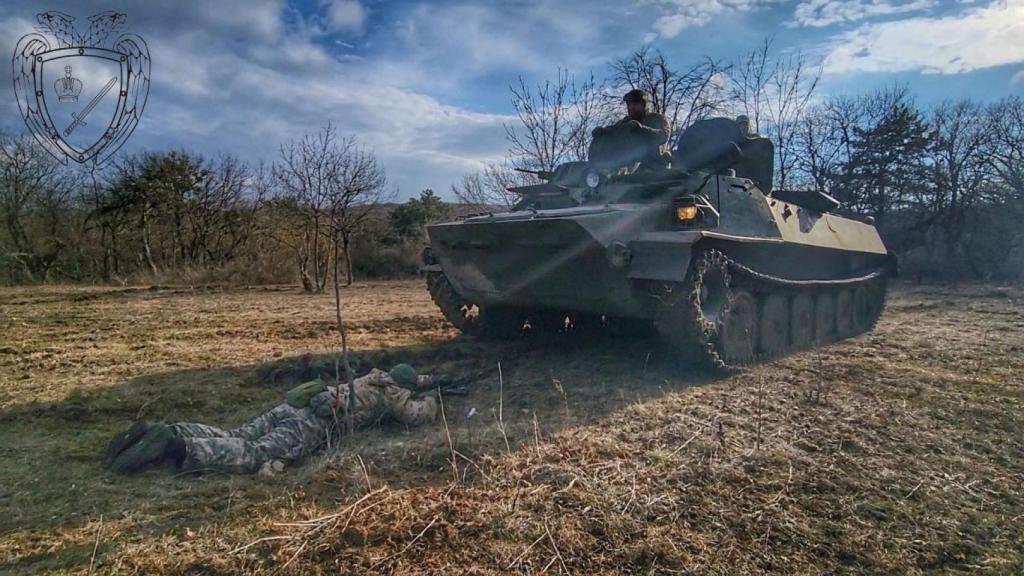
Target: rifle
[460, 386]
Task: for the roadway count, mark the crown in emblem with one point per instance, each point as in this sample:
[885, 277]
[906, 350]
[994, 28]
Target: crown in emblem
[68, 88]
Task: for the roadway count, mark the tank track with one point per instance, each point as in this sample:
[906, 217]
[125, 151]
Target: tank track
[726, 315]
[453, 307]
[491, 323]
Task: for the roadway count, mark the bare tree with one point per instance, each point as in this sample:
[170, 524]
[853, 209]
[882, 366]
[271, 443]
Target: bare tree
[750, 79]
[774, 92]
[993, 238]
[287, 223]
[824, 141]
[819, 150]
[1005, 158]
[360, 188]
[683, 96]
[489, 188]
[92, 197]
[302, 176]
[179, 211]
[34, 193]
[228, 199]
[962, 135]
[334, 185]
[556, 120]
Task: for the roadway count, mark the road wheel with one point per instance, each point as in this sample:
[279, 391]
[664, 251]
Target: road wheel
[844, 313]
[825, 318]
[802, 320]
[774, 328]
[861, 309]
[737, 339]
[868, 302]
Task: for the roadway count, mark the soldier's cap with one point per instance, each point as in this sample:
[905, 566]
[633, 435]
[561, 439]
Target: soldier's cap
[635, 95]
[403, 374]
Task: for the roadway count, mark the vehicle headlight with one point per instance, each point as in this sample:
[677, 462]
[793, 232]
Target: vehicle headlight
[593, 179]
[693, 211]
[687, 213]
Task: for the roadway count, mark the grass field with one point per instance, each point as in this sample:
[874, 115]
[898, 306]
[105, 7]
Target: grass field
[898, 452]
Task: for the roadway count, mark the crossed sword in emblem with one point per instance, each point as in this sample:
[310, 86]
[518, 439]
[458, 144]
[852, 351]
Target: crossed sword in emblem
[79, 119]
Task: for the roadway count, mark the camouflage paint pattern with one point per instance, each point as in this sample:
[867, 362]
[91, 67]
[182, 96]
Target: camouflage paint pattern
[289, 434]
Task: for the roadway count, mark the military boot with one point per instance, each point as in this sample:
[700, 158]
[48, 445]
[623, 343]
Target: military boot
[122, 441]
[149, 450]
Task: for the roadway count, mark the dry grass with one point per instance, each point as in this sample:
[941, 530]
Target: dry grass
[897, 452]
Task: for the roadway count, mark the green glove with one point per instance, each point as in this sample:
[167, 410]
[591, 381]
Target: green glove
[300, 396]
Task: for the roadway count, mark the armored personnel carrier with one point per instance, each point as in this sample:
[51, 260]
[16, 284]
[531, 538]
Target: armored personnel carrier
[728, 270]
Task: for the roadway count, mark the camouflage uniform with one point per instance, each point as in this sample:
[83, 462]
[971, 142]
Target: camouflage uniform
[638, 140]
[653, 130]
[288, 434]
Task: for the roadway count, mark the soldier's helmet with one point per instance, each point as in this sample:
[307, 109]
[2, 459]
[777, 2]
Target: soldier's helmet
[403, 374]
[744, 122]
[635, 95]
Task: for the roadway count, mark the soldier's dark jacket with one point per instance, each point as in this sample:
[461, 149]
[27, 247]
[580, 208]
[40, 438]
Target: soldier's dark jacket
[654, 130]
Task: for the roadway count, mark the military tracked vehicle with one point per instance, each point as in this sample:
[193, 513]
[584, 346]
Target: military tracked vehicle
[728, 270]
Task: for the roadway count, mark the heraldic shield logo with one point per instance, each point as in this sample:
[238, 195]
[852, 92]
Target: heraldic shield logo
[81, 93]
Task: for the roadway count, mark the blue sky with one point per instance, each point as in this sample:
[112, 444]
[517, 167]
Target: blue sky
[425, 84]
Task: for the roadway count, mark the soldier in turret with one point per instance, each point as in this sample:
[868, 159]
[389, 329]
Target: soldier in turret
[650, 128]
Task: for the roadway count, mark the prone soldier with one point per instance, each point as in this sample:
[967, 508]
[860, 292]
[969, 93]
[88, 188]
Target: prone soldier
[300, 426]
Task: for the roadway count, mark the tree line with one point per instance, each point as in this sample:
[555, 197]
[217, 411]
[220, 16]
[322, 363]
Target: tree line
[944, 183]
[177, 216]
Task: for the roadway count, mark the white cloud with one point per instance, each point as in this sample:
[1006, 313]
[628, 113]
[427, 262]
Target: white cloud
[444, 45]
[250, 106]
[244, 86]
[260, 19]
[346, 16]
[678, 15]
[819, 13]
[979, 38]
